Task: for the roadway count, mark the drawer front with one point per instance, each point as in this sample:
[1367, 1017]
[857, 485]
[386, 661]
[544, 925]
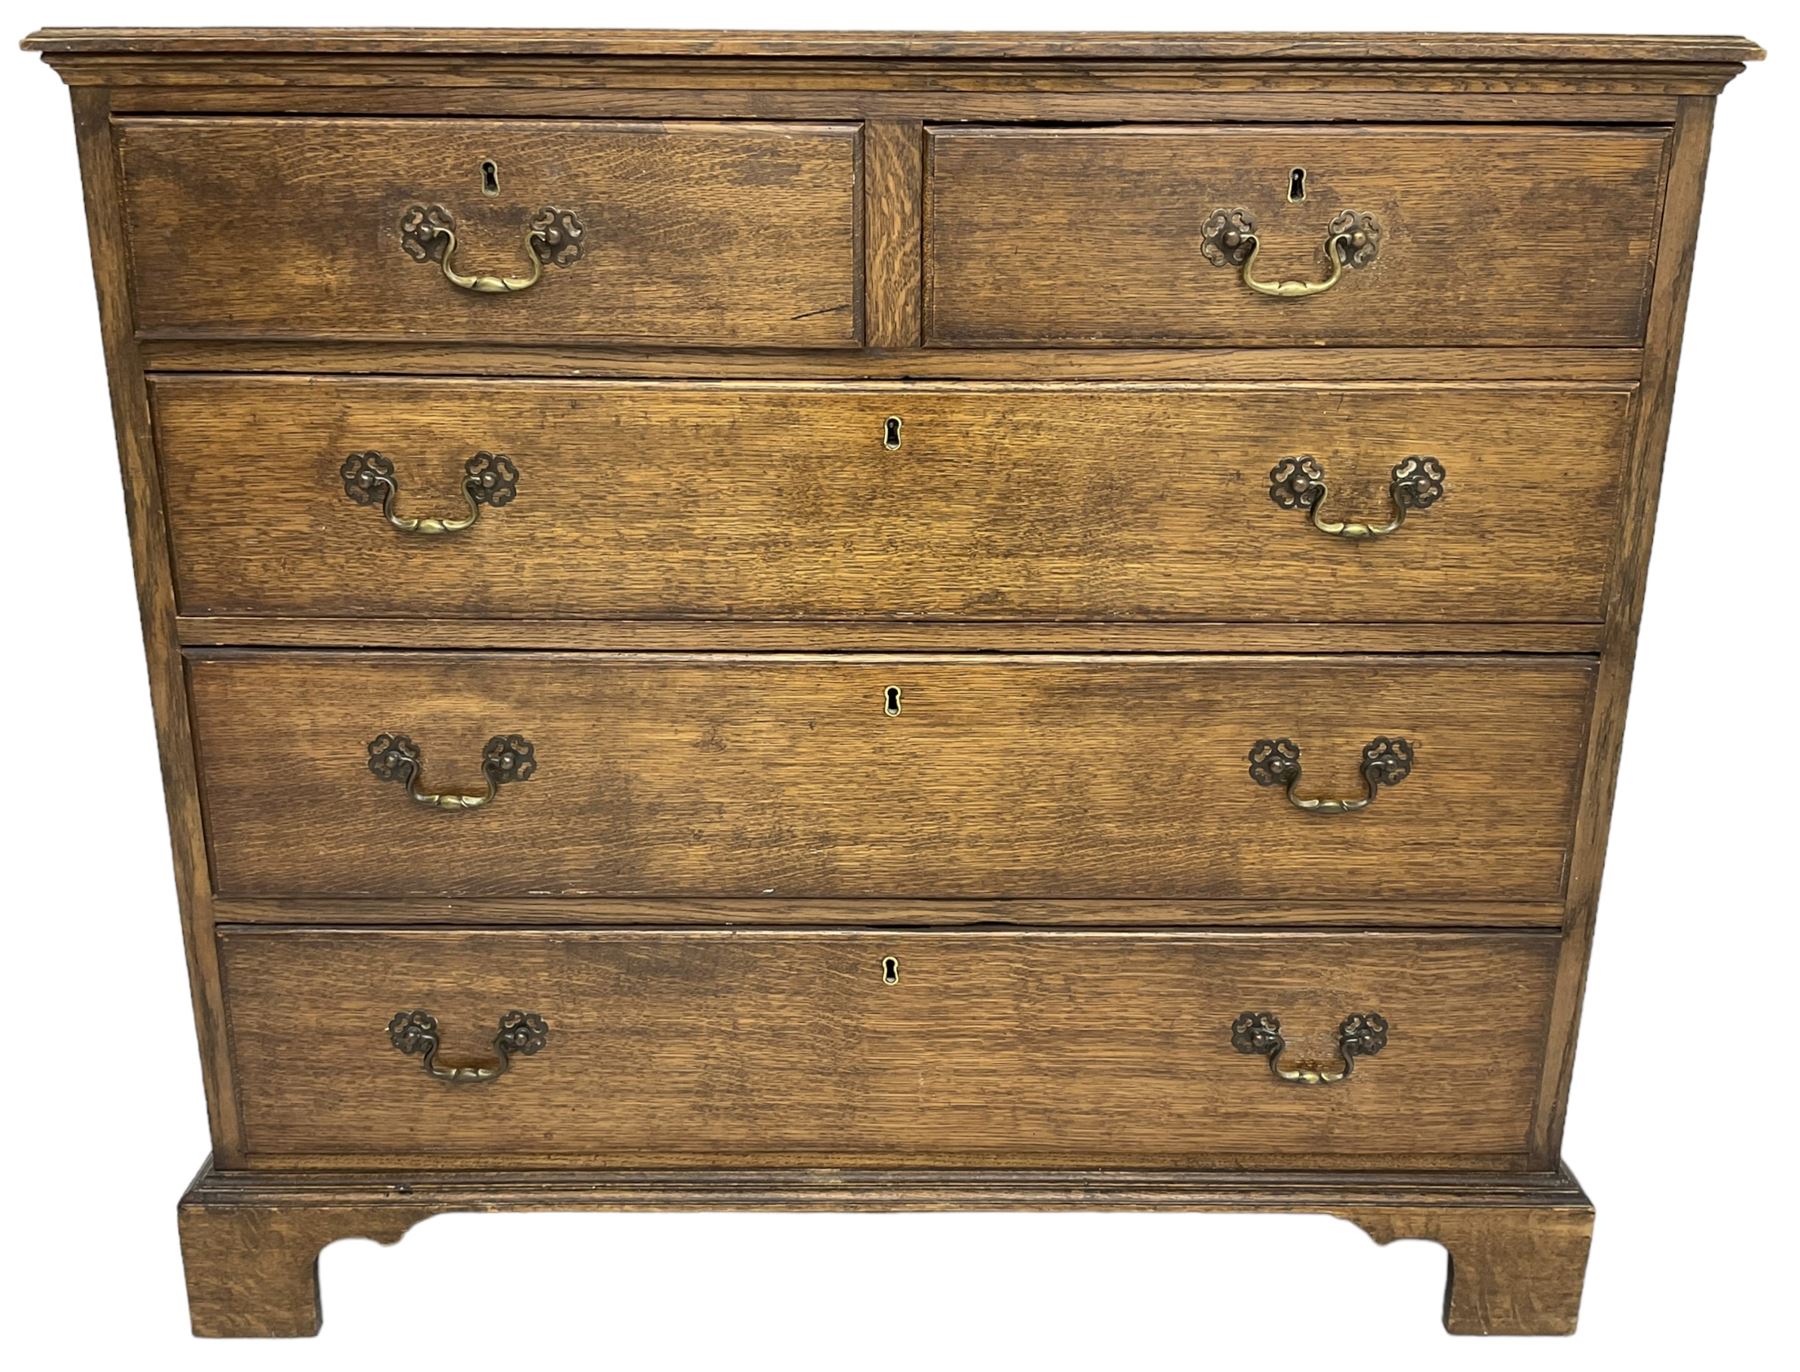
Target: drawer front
[998, 503]
[769, 1048]
[1063, 236]
[690, 233]
[787, 777]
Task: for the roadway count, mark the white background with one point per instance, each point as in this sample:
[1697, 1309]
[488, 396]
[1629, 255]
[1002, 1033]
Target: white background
[1681, 1121]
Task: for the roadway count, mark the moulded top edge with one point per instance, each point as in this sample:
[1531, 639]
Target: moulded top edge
[692, 43]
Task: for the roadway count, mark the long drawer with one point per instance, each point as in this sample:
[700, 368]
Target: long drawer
[1141, 235]
[844, 502]
[885, 1049]
[909, 776]
[657, 231]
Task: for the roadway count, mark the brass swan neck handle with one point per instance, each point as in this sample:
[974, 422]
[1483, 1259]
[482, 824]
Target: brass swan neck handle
[552, 236]
[1228, 238]
[1298, 483]
[1385, 762]
[508, 758]
[1258, 1033]
[489, 479]
[415, 1033]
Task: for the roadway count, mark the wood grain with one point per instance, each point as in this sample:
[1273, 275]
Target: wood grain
[530, 358]
[1164, 93]
[723, 43]
[866, 636]
[1517, 1242]
[781, 503]
[253, 1271]
[1063, 236]
[146, 521]
[697, 233]
[996, 237]
[893, 179]
[1023, 777]
[1292, 912]
[1691, 143]
[991, 1049]
[1513, 1269]
[371, 85]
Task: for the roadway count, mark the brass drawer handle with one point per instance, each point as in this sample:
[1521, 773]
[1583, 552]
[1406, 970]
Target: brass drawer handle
[507, 758]
[1385, 762]
[428, 234]
[415, 1032]
[1359, 1036]
[1228, 239]
[1298, 483]
[488, 479]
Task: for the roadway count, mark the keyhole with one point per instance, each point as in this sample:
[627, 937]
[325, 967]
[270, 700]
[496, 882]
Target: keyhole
[892, 705]
[1297, 184]
[890, 971]
[890, 435]
[490, 177]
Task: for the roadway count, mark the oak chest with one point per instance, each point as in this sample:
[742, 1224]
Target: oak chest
[755, 620]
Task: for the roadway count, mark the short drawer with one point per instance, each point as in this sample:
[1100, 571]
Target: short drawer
[655, 232]
[841, 502]
[1469, 236]
[864, 777]
[886, 1049]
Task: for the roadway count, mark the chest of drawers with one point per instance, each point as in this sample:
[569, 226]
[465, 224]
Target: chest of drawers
[752, 620]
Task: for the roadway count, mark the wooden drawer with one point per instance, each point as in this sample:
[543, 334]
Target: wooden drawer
[760, 1048]
[1485, 234]
[740, 234]
[670, 775]
[766, 502]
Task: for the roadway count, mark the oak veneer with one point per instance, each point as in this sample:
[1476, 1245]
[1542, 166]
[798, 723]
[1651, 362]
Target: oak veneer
[727, 825]
[1090, 236]
[758, 1049]
[696, 232]
[781, 502]
[537, 358]
[1008, 777]
[1035, 45]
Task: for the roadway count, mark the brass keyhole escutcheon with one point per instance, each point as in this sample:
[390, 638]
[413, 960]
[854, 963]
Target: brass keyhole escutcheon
[1297, 185]
[890, 434]
[890, 702]
[490, 176]
[890, 971]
